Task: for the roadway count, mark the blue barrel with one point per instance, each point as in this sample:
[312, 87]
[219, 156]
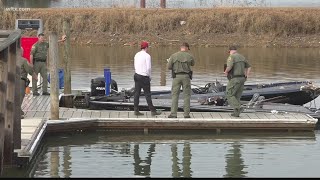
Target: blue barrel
[107, 77]
[61, 78]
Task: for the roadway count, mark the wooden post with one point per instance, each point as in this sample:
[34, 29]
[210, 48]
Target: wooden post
[1, 142]
[54, 162]
[10, 109]
[163, 3]
[3, 100]
[142, 3]
[17, 115]
[67, 72]
[54, 88]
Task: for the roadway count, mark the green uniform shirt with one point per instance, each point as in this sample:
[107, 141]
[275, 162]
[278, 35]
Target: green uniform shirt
[40, 50]
[25, 68]
[180, 62]
[238, 64]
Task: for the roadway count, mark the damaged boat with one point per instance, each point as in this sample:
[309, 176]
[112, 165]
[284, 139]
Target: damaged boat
[210, 97]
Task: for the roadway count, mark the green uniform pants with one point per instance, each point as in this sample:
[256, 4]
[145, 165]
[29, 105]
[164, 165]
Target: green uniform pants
[234, 92]
[40, 67]
[184, 81]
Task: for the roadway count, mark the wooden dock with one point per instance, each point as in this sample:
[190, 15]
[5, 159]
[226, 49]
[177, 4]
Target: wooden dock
[37, 123]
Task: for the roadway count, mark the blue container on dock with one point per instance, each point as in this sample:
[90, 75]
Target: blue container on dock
[107, 77]
[61, 78]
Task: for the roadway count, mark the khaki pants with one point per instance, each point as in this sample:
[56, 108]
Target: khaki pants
[184, 81]
[234, 92]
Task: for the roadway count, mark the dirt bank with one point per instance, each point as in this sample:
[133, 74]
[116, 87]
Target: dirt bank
[259, 27]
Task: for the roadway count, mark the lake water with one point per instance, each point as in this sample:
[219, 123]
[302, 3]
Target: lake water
[197, 154]
[105, 154]
[268, 65]
[155, 3]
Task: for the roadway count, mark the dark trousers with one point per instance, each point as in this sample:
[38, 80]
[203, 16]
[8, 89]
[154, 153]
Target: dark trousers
[142, 82]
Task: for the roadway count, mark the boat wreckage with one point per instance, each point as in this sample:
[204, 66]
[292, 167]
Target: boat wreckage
[209, 98]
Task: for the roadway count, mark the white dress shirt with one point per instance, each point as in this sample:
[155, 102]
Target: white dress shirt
[142, 63]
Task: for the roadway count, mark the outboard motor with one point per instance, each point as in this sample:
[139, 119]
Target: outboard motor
[214, 87]
[98, 86]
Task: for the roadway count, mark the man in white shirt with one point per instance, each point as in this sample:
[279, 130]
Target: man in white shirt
[142, 78]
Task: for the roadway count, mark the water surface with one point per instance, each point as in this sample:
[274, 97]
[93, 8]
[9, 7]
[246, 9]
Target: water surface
[104, 154]
[268, 65]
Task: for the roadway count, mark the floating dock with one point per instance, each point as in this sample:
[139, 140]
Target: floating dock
[37, 122]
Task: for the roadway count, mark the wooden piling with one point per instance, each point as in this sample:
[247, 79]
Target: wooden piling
[163, 3]
[8, 47]
[142, 3]
[3, 100]
[17, 115]
[1, 143]
[67, 72]
[54, 88]
[10, 105]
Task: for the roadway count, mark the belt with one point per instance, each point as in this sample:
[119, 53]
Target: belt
[238, 76]
[40, 60]
[182, 73]
[141, 75]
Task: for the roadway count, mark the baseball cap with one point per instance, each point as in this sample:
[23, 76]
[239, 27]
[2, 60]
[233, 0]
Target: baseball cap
[185, 44]
[232, 48]
[144, 44]
[40, 34]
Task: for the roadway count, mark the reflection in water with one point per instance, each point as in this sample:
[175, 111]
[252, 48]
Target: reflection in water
[176, 172]
[66, 162]
[186, 161]
[107, 155]
[54, 161]
[234, 162]
[142, 167]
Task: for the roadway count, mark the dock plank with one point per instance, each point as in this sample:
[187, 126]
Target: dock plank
[225, 116]
[114, 114]
[197, 115]
[67, 114]
[39, 114]
[124, 114]
[86, 114]
[105, 114]
[95, 114]
[215, 115]
[251, 115]
[77, 114]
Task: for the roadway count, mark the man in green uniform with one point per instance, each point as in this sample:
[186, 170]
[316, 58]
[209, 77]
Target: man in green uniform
[237, 71]
[180, 64]
[25, 69]
[38, 57]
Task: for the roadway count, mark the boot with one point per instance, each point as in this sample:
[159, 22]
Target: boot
[137, 113]
[234, 115]
[154, 113]
[186, 116]
[171, 116]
